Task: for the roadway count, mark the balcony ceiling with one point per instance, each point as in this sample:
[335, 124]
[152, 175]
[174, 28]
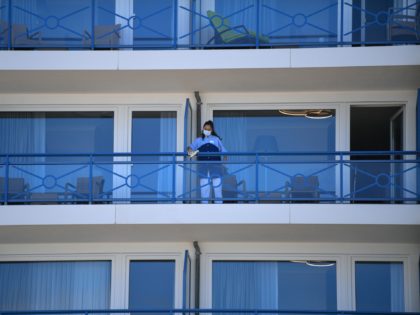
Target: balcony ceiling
[218, 80]
[210, 233]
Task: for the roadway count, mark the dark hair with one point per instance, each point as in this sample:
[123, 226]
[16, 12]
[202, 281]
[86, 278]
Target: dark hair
[213, 132]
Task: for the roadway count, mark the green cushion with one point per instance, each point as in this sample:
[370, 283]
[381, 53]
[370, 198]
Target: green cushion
[227, 34]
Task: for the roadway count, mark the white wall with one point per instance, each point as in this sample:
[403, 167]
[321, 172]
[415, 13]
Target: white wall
[211, 59]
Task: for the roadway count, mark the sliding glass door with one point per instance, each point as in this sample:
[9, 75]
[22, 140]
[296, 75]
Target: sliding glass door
[285, 285]
[152, 176]
[306, 135]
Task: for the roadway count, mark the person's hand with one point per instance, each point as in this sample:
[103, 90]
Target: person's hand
[225, 158]
[192, 153]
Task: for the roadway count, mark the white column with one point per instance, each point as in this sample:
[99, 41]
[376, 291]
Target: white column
[121, 135]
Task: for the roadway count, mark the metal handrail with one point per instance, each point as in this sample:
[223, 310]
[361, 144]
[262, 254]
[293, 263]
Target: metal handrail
[203, 311]
[249, 153]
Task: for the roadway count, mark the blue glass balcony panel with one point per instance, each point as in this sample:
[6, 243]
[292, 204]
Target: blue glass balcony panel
[301, 22]
[382, 21]
[171, 24]
[305, 177]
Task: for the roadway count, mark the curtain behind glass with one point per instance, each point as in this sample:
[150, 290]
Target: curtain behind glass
[397, 287]
[24, 133]
[267, 131]
[153, 132]
[232, 128]
[274, 285]
[55, 285]
[245, 285]
[239, 12]
[380, 286]
[167, 144]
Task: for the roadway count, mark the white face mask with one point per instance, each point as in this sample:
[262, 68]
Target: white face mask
[206, 133]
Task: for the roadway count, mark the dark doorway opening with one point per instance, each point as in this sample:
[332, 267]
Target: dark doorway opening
[374, 178]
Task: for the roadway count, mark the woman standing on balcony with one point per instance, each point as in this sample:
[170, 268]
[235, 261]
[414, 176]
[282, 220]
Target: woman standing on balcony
[210, 173]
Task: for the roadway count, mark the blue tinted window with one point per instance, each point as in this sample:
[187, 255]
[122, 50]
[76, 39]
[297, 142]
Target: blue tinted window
[55, 285]
[56, 132]
[152, 284]
[275, 285]
[380, 286]
[270, 131]
[153, 132]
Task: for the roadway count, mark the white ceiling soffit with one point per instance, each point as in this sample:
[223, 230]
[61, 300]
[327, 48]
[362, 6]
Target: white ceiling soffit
[238, 80]
[210, 233]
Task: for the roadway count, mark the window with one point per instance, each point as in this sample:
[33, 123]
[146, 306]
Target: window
[279, 131]
[380, 286]
[56, 132]
[60, 133]
[275, 131]
[294, 285]
[153, 132]
[55, 285]
[152, 284]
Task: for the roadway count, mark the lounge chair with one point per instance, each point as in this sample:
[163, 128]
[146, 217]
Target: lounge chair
[232, 35]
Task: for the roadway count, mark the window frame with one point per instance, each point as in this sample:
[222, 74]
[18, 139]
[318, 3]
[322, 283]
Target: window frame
[210, 258]
[178, 108]
[177, 258]
[69, 257]
[71, 108]
[384, 259]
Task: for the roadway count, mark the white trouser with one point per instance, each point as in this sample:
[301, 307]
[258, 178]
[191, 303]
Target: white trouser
[205, 185]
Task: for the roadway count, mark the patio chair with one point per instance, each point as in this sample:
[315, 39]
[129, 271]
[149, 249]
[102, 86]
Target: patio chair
[4, 27]
[22, 38]
[232, 35]
[17, 189]
[303, 188]
[403, 26]
[233, 190]
[106, 36]
[81, 191]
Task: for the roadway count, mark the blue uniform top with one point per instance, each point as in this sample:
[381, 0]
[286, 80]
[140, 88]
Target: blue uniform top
[206, 144]
[209, 144]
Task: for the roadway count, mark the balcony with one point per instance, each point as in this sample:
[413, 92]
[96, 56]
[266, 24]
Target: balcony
[305, 177]
[201, 24]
